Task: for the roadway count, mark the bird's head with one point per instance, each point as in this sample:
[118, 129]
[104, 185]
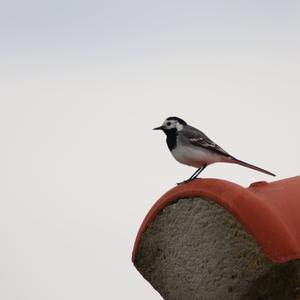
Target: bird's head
[171, 124]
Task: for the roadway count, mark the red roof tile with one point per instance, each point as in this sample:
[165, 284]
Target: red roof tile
[269, 211]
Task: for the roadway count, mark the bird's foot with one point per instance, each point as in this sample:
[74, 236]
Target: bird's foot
[186, 181]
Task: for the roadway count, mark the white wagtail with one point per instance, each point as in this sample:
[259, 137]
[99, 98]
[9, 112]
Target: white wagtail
[192, 147]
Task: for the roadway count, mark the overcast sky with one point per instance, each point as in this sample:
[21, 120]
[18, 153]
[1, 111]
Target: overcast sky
[82, 85]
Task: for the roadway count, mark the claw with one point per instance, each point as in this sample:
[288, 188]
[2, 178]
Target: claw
[186, 181]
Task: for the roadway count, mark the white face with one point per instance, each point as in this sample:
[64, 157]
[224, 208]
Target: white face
[170, 124]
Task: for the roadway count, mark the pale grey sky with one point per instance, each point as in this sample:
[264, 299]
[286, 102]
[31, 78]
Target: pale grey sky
[82, 85]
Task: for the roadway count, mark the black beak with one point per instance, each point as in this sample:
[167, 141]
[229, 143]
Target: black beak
[158, 128]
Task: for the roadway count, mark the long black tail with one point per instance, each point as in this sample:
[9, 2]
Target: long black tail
[242, 163]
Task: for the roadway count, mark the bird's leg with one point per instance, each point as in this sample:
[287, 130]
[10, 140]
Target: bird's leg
[197, 173]
[194, 176]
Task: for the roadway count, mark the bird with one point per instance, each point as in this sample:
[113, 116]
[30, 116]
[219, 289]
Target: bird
[192, 147]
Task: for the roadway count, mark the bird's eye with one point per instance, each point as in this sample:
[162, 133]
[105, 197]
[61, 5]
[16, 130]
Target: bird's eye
[169, 123]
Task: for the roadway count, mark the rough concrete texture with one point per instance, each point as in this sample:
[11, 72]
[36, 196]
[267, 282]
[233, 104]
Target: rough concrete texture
[195, 249]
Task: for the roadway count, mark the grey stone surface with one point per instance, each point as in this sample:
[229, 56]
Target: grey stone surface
[195, 249]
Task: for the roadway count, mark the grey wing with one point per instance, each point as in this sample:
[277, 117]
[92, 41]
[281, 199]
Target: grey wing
[199, 139]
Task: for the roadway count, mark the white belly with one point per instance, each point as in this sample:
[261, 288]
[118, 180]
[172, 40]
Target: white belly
[196, 157]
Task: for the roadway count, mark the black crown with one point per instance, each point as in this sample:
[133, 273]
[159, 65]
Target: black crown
[180, 121]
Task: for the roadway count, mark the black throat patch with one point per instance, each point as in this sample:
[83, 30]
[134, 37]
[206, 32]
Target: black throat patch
[171, 138]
